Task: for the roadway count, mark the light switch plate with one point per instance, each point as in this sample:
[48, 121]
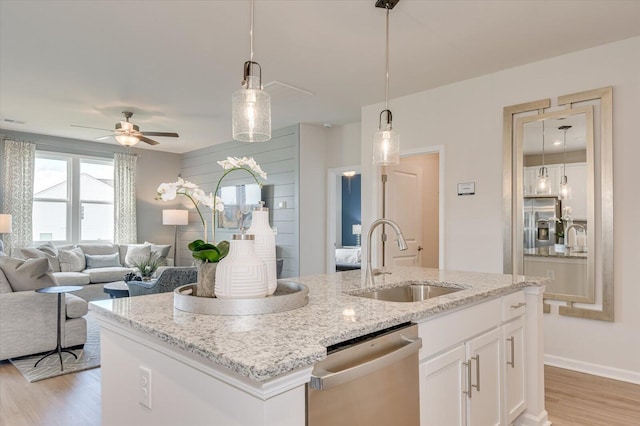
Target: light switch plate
[144, 392]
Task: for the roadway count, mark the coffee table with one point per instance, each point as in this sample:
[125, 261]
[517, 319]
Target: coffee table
[116, 289]
[59, 290]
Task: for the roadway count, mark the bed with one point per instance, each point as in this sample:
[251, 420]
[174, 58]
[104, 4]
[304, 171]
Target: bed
[348, 258]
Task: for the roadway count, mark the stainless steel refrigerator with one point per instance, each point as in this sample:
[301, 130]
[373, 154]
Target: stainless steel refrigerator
[539, 226]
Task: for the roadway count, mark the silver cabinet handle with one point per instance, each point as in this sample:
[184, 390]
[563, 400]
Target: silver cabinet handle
[469, 386]
[477, 385]
[519, 305]
[322, 379]
[512, 363]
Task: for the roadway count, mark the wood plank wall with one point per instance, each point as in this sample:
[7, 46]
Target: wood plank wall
[280, 159]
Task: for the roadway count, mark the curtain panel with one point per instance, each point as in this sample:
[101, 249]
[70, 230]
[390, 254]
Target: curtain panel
[18, 171]
[125, 228]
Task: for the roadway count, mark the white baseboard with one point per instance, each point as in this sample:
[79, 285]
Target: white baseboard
[594, 369]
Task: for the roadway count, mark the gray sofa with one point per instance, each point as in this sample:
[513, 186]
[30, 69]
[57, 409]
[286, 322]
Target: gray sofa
[28, 321]
[84, 274]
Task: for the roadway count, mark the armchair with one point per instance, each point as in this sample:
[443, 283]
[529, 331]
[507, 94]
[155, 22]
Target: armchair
[167, 281]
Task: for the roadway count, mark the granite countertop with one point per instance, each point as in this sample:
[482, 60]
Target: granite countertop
[262, 347]
[550, 252]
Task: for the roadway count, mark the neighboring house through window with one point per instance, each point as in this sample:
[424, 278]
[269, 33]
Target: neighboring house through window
[72, 198]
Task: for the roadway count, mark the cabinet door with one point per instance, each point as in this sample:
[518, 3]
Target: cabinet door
[513, 367]
[577, 179]
[442, 383]
[484, 360]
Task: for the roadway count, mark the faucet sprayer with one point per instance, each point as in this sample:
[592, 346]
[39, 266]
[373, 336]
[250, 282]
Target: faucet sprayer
[402, 245]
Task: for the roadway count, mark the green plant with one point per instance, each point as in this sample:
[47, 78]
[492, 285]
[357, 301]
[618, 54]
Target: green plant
[209, 252]
[147, 266]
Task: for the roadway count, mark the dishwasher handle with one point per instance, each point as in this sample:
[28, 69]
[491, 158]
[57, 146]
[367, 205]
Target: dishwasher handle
[322, 379]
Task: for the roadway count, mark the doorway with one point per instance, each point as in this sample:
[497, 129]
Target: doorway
[413, 201]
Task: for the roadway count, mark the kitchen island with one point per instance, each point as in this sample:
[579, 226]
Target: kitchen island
[164, 366]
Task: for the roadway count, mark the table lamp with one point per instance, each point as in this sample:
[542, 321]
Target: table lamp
[5, 227]
[175, 218]
[357, 231]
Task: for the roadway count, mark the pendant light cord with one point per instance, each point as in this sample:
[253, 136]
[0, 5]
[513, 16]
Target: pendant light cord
[564, 154]
[386, 88]
[542, 143]
[251, 34]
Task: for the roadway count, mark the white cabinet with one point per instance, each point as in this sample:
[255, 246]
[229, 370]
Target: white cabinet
[513, 367]
[473, 372]
[577, 179]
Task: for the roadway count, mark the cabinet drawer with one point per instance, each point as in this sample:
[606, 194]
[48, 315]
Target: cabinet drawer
[513, 305]
[443, 332]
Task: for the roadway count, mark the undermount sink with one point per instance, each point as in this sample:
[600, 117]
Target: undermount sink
[409, 293]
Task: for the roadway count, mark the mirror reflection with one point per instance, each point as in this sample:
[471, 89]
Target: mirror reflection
[557, 165]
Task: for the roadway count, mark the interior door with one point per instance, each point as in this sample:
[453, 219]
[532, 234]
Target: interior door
[404, 206]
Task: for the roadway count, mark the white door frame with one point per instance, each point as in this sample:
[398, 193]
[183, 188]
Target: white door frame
[333, 176]
[377, 200]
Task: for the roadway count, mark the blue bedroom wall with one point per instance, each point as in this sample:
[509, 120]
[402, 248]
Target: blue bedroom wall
[351, 208]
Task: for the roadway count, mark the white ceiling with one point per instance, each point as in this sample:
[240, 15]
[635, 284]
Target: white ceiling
[175, 64]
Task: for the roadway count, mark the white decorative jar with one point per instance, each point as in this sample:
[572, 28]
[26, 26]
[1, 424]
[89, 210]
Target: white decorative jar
[265, 243]
[241, 274]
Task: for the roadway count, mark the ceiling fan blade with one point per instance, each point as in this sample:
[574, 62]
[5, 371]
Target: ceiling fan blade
[147, 140]
[166, 134]
[87, 127]
[101, 138]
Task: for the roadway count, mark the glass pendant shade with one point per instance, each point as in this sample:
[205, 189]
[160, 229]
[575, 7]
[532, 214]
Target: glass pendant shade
[386, 147]
[565, 189]
[251, 109]
[127, 140]
[542, 185]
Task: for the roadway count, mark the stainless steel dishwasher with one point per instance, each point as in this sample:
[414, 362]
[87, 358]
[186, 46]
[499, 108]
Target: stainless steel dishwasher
[371, 380]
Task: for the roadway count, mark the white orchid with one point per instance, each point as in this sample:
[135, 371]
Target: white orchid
[169, 191]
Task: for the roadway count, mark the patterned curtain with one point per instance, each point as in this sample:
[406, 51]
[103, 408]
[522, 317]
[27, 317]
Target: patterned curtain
[125, 202]
[18, 168]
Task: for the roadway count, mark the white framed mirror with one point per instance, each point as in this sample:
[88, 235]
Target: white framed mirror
[558, 199]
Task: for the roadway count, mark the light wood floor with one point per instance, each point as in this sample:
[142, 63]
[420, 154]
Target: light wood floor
[572, 399]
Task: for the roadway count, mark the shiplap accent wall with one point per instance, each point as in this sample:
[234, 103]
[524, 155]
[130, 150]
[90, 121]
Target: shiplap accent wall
[279, 158]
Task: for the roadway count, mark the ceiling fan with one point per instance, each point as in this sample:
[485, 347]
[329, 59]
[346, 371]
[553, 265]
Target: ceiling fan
[129, 134]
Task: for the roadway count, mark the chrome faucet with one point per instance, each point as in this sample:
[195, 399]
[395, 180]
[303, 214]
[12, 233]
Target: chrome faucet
[566, 234]
[402, 244]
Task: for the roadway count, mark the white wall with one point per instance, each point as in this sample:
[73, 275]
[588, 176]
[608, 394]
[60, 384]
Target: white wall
[466, 118]
[313, 198]
[343, 148]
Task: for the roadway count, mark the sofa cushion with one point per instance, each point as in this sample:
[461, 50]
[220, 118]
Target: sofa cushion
[37, 253]
[4, 284]
[94, 249]
[135, 253]
[105, 275]
[27, 274]
[72, 278]
[72, 260]
[102, 260]
[75, 306]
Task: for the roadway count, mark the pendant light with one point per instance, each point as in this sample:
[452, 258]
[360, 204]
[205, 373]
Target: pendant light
[386, 142]
[565, 189]
[542, 186]
[251, 105]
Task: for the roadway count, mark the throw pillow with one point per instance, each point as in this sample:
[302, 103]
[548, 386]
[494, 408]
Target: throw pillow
[5, 287]
[37, 253]
[72, 260]
[27, 274]
[136, 253]
[48, 248]
[102, 260]
[160, 250]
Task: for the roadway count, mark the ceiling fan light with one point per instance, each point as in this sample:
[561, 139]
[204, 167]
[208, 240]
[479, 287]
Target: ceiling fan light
[251, 113]
[127, 140]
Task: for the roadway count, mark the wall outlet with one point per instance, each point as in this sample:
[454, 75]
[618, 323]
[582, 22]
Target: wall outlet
[551, 274]
[144, 391]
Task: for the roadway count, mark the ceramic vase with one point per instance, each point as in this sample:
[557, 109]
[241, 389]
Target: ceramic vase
[265, 244]
[206, 279]
[241, 274]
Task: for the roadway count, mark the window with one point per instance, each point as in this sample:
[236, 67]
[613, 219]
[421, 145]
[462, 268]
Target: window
[72, 198]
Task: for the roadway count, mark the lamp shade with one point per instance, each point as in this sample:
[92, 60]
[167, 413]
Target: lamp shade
[5, 223]
[175, 217]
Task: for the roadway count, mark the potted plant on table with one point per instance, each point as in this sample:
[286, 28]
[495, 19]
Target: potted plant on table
[147, 266]
[209, 254]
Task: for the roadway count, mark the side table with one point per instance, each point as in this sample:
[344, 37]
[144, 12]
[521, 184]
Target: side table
[116, 289]
[59, 290]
